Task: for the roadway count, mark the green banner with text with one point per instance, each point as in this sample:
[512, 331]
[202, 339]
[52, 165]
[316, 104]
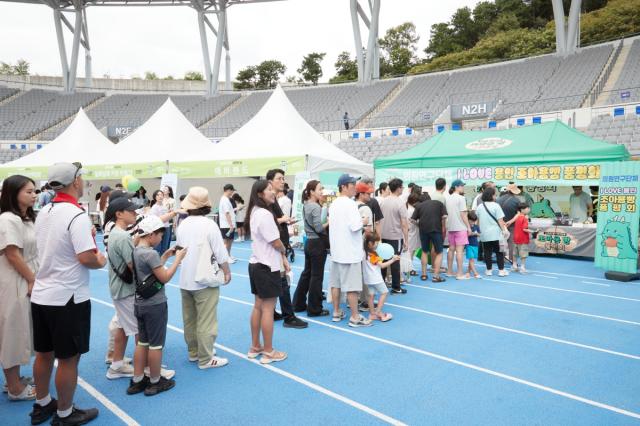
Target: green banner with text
[618, 218]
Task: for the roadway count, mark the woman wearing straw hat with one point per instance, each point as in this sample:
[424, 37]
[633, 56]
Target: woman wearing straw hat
[200, 301]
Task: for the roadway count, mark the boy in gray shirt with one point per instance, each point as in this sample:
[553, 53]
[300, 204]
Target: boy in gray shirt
[151, 312]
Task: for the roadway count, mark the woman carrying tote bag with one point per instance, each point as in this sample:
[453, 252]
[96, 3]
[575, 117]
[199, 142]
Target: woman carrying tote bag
[200, 296]
[492, 231]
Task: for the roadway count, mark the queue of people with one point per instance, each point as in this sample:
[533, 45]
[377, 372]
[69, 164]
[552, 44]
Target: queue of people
[37, 253]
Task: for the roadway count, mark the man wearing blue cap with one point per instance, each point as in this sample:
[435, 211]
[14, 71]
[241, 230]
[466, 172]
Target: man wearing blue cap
[347, 252]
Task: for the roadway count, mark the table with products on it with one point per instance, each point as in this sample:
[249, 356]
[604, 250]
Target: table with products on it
[577, 240]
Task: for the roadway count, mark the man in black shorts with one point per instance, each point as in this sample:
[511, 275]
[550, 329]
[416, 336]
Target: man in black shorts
[227, 218]
[60, 306]
[431, 217]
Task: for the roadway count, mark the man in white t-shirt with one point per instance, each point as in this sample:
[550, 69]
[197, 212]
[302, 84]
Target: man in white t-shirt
[458, 228]
[227, 219]
[347, 252]
[284, 202]
[60, 305]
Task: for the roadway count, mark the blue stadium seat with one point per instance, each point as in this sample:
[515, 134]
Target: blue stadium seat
[537, 120]
[520, 122]
[618, 112]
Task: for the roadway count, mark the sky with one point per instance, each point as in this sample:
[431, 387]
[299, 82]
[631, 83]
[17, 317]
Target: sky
[128, 41]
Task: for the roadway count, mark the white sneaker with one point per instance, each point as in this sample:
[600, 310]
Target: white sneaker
[515, 268]
[488, 272]
[215, 362]
[503, 273]
[126, 360]
[195, 358]
[523, 271]
[166, 373]
[126, 370]
[360, 322]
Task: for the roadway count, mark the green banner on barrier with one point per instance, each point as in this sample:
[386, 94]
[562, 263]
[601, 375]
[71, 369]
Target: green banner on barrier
[198, 169]
[531, 175]
[618, 218]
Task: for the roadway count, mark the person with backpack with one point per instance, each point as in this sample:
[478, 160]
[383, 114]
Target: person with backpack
[150, 307]
[121, 283]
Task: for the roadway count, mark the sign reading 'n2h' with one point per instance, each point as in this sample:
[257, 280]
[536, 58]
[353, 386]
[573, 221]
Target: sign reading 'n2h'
[472, 110]
[618, 217]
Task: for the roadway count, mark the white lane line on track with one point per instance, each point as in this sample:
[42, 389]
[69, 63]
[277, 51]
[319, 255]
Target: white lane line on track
[531, 305]
[602, 285]
[513, 302]
[110, 405]
[469, 366]
[516, 331]
[304, 382]
[561, 289]
[545, 276]
[121, 414]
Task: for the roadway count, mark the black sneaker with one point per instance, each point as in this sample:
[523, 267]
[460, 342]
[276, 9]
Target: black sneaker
[41, 414]
[135, 388]
[295, 322]
[398, 290]
[322, 313]
[277, 316]
[298, 310]
[77, 417]
[363, 306]
[162, 385]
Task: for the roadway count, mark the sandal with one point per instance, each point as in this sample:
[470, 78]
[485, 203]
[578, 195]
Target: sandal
[27, 394]
[23, 379]
[254, 352]
[424, 277]
[273, 356]
[384, 317]
[413, 273]
[438, 280]
[373, 317]
[477, 276]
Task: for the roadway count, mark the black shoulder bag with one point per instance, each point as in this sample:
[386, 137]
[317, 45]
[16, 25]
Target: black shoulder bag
[126, 275]
[147, 287]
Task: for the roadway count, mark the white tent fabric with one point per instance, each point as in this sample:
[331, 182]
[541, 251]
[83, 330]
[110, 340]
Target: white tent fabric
[166, 136]
[278, 130]
[81, 141]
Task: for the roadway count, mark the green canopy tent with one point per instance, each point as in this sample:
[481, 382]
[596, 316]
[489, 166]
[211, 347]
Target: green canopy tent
[544, 154]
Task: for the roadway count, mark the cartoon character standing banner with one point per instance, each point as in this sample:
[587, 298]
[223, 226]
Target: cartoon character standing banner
[618, 217]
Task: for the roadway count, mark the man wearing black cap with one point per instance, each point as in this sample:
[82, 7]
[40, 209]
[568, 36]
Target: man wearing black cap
[60, 305]
[227, 219]
[120, 253]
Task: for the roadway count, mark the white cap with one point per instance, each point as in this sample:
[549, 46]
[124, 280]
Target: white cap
[149, 224]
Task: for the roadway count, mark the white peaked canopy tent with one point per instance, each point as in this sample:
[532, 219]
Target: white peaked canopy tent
[81, 141]
[279, 131]
[166, 136]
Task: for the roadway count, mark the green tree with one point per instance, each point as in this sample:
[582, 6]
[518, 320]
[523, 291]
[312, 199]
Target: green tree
[465, 30]
[193, 75]
[399, 48]
[484, 14]
[150, 75]
[346, 69]
[6, 69]
[21, 67]
[505, 22]
[310, 69]
[246, 78]
[169, 77]
[269, 73]
[442, 41]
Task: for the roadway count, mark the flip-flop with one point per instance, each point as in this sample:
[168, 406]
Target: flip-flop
[424, 277]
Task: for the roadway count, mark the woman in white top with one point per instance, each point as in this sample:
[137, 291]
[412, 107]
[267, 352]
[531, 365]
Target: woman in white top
[241, 213]
[18, 266]
[267, 265]
[159, 209]
[199, 300]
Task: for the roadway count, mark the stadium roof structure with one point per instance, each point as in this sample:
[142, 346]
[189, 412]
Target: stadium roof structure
[80, 32]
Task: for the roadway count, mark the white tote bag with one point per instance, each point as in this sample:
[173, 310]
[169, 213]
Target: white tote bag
[208, 271]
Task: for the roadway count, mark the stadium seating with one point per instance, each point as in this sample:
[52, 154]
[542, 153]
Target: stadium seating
[5, 92]
[371, 148]
[37, 110]
[629, 79]
[621, 129]
[227, 123]
[7, 155]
